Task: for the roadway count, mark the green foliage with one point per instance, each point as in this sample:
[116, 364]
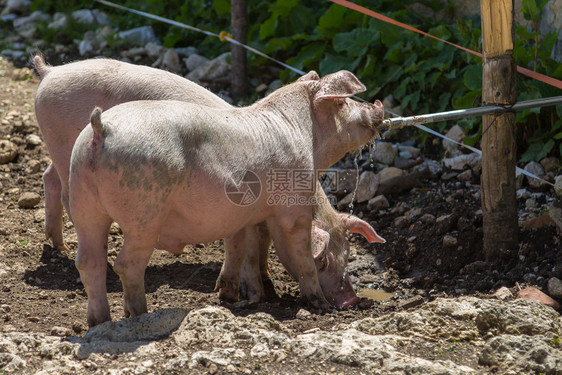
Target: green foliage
[423, 74]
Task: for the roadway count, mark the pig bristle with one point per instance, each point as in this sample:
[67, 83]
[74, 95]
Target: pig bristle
[95, 120]
[40, 66]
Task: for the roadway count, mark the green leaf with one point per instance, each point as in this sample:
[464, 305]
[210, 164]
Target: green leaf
[368, 67]
[332, 63]
[419, 77]
[355, 43]
[307, 55]
[331, 20]
[267, 28]
[444, 100]
[222, 7]
[537, 151]
[473, 77]
[530, 10]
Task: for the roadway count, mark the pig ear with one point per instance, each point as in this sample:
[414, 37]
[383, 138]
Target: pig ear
[342, 84]
[320, 240]
[310, 76]
[356, 225]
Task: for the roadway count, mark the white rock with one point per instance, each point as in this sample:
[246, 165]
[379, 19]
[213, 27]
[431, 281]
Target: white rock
[194, 61]
[460, 162]
[503, 293]
[138, 36]
[86, 45]
[16, 6]
[90, 17]
[25, 26]
[413, 151]
[33, 140]
[171, 61]
[456, 133]
[59, 21]
[153, 50]
[211, 70]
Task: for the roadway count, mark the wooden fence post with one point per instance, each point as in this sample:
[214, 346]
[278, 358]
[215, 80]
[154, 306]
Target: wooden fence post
[239, 27]
[499, 86]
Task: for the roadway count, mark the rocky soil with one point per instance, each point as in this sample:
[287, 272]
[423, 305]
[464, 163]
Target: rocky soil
[435, 306]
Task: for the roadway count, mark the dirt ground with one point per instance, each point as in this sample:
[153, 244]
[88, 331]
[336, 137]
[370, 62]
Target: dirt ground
[41, 288]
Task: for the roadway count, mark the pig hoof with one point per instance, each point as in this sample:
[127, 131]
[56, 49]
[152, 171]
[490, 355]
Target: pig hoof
[319, 305]
[62, 248]
[228, 295]
[94, 321]
[228, 291]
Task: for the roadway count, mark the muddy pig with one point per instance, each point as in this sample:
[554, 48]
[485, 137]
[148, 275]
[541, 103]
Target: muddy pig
[180, 159]
[63, 104]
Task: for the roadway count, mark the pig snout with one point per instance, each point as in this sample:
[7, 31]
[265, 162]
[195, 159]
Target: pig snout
[345, 296]
[349, 303]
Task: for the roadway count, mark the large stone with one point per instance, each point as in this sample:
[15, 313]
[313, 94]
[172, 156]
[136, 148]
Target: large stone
[16, 7]
[26, 26]
[531, 293]
[538, 170]
[90, 17]
[171, 61]
[194, 61]
[377, 203]
[522, 354]
[456, 133]
[555, 287]
[384, 153]
[8, 151]
[459, 163]
[388, 173]
[367, 186]
[29, 200]
[211, 70]
[551, 17]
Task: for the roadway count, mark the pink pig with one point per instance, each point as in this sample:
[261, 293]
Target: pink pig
[178, 159]
[63, 102]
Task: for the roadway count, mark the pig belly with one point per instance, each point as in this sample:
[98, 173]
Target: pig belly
[188, 216]
[197, 226]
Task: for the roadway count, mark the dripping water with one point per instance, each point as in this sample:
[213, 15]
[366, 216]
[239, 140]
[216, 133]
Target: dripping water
[356, 156]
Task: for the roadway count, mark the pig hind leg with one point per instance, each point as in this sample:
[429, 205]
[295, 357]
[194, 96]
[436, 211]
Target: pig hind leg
[53, 208]
[130, 265]
[91, 262]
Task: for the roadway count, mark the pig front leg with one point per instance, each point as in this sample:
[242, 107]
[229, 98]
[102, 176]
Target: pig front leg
[228, 281]
[53, 208]
[291, 233]
[130, 265]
